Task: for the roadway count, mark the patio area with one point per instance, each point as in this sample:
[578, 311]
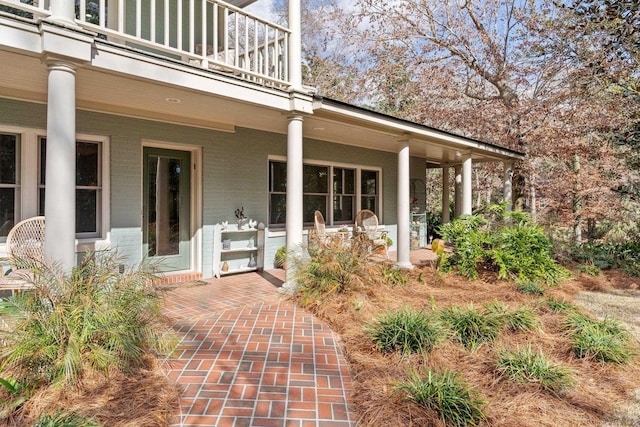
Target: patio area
[250, 357]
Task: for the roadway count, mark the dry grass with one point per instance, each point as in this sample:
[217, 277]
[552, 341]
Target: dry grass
[144, 399]
[592, 401]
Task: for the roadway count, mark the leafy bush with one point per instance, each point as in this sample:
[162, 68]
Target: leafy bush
[407, 330]
[454, 401]
[508, 242]
[470, 326]
[529, 287]
[611, 255]
[91, 319]
[525, 366]
[602, 341]
[393, 275]
[332, 268]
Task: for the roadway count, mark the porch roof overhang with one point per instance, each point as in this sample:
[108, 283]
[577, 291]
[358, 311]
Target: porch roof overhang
[348, 124]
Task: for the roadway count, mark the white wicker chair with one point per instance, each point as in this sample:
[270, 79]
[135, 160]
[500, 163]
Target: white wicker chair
[25, 248]
[366, 227]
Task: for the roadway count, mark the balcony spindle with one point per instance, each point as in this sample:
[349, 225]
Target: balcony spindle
[166, 22]
[266, 49]
[138, 18]
[203, 38]
[102, 11]
[82, 11]
[152, 21]
[215, 30]
[192, 21]
[179, 26]
[256, 52]
[121, 16]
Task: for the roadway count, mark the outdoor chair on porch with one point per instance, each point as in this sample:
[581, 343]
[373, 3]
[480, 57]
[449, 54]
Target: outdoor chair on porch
[25, 249]
[366, 228]
[319, 233]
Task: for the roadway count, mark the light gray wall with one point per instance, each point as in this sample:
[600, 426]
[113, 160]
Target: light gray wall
[235, 171]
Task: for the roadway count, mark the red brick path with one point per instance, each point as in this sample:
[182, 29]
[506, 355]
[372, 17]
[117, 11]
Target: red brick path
[251, 358]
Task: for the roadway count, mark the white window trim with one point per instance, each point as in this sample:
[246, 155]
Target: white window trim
[29, 185]
[358, 167]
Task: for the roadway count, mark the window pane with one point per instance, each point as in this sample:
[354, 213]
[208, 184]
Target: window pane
[343, 207]
[369, 183]
[43, 161]
[311, 205]
[278, 209]
[349, 181]
[86, 211]
[87, 164]
[7, 210]
[278, 177]
[315, 179]
[41, 194]
[370, 203]
[8, 159]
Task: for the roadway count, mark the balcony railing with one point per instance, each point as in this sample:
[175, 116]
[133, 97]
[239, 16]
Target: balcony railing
[210, 34]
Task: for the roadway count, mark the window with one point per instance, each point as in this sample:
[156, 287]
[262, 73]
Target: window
[88, 187]
[9, 183]
[326, 188]
[369, 190]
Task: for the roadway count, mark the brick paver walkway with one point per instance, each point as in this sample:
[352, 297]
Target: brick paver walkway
[251, 358]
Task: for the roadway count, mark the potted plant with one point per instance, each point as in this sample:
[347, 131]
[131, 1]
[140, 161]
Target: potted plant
[343, 233]
[280, 260]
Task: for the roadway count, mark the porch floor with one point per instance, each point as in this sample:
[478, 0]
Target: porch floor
[250, 357]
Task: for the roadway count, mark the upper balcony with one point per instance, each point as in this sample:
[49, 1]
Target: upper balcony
[210, 34]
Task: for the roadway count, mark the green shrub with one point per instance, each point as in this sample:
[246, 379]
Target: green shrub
[560, 306]
[508, 242]
[521, 320]
[65, 419]
[529, 287]
[280, 258]
[470, 326]
[454, 401]
[625, 256]
[407, 330]
[332, 268]
[91, 319]
[525, 366]
[602, 341]
[393, 275]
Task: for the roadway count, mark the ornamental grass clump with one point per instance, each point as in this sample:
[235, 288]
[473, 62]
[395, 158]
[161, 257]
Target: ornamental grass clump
[523, 365]
[470, 326]
[455, 402]
[529, 287]
[91, 319]
[522, 319]
[560, 305]
[332, 268]
[602, 341]
[407, 331]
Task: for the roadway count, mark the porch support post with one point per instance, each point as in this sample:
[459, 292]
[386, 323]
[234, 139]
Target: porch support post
[294, 196]
[404, 203]
[446, 216]
[467, 171]
[63, 10]
[508, 185]
[458, 191]
[60, 177]
[295, 44]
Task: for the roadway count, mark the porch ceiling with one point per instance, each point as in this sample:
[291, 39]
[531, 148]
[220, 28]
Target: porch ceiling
[161, 98]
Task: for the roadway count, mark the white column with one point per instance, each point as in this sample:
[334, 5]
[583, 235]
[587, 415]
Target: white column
[63, 10]
[457, 207]
[295, 219]
[404, 205]
[295, 45]
[60, 178]
[508, 185]
[446, 215]
[467, 181]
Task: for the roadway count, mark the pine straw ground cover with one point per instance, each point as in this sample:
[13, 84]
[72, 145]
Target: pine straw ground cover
[597, 393]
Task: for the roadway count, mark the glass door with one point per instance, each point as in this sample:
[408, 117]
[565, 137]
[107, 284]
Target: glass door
[167, 208]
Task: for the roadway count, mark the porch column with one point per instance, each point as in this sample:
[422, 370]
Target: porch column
[60, 176]
[63, 10]
[446, 216]
[508, 185]
[404, 205]
[467, 171]
[294, 188]
[458, 191]
[295, 45]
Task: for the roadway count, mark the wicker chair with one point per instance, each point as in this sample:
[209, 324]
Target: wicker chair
[366, 227]
[25, 248]
[319, 233]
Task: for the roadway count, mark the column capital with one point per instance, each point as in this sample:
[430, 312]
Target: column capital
[55, 63]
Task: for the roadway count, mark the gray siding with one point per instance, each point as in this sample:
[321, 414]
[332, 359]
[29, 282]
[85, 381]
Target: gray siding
[235, 171]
